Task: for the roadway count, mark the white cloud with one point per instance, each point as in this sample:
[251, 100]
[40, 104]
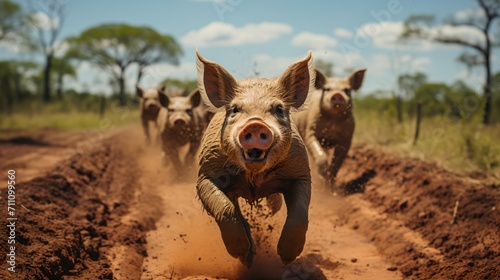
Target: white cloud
[61, 47]
[272, 66]
[155, 74]
[385, 35]
[223, 34]
[45, 22]
[14, 43]
[344, 33]
[312, 40]
[381, 64]
[468, 14]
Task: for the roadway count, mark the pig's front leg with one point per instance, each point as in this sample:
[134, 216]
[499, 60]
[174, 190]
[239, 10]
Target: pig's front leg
[234, 229]
[293, 236]
[339, 155]
[145, 126]
[317, 152]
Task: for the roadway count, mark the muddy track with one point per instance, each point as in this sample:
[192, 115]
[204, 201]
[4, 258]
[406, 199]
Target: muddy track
[113, 211]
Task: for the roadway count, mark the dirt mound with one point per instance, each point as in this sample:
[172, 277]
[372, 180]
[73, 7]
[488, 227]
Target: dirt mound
[457, 216]
[69, 219]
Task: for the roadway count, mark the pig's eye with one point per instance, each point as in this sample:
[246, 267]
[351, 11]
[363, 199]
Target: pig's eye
[170, 110]
[347, 91]
[279, 111]
[327, 89]
[234, 110]
[189, 111]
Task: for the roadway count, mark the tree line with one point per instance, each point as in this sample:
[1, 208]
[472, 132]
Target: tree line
[113, 48]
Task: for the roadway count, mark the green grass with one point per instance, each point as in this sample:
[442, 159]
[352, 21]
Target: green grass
[68, 121]
[456, 145]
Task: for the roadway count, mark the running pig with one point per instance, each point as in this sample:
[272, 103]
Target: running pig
[149, 106]
[180, 124]
[251, 149]
[328, 124]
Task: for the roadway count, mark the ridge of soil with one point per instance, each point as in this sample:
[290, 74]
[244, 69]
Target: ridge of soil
[111, 211]
[418, 198]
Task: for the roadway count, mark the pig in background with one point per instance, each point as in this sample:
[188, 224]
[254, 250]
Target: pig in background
[149, 106]
[251, 149]
[327, 125]
[181, 122]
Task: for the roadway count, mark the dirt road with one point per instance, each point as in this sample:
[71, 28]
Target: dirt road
[102, 206]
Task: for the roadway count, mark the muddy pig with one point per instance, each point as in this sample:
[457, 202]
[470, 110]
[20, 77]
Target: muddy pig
[149, 107]
[327, 125]
[180, 124]
[251, 149]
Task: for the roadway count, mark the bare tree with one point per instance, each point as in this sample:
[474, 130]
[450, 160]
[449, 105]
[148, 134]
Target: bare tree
[481, 20]
[48, 25]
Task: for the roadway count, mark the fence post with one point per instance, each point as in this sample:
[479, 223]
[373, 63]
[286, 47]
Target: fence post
[419, 118]
[399, 109]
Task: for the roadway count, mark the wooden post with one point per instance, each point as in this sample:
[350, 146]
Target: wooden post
[419, 118]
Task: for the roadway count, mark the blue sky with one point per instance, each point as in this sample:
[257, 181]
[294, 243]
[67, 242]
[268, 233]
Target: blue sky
[266, 36]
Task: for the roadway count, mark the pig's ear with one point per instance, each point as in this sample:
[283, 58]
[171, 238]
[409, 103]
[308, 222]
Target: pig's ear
[298, 81]
[139, 91]
[320, 80]
[164, 100]
[195, 98]
[356, 78]
[216, 85]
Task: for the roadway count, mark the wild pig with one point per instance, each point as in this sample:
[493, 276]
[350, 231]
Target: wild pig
[149, 107]
[180, 124]
[251, 149]
[328, 123]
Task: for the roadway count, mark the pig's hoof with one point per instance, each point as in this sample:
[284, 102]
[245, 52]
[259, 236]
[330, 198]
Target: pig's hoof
[291, 244]
[238, 243]
[248, 260]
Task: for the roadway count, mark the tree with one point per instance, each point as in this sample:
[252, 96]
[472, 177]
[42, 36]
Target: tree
[115, 47]
[156, 48]
[325, 67]
[175, 84]
[13, 82]
[62, 67]
[48, 27]
[11, 19]
[408, 84]
[480, 22]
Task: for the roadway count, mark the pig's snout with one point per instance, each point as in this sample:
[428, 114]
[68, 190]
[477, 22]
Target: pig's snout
[152, 106]
[255, 138]
[179, 122]
[337, 99]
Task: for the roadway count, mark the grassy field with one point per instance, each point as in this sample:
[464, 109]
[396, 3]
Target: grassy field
[70, 120]
[460, 146]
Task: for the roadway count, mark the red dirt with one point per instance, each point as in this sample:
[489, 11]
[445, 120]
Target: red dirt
[106, 208]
